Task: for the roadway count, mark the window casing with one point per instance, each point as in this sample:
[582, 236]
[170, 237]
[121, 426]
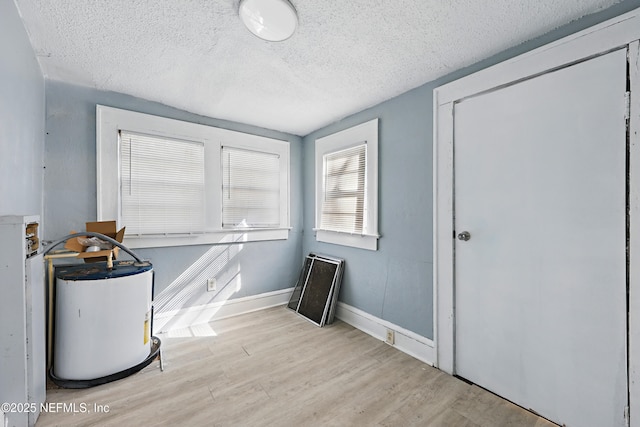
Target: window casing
[347, 187]
[183, 163]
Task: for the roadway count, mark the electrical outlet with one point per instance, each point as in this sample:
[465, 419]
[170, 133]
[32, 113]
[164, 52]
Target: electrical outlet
[391, 337]
[211, 284]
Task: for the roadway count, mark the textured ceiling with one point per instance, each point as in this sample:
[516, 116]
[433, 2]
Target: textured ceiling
[346, 55]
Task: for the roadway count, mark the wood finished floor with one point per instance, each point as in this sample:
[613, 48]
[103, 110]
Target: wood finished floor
[274, 368]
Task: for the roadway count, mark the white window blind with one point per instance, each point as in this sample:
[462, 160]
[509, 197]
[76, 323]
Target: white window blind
[344, 190]
[250, 188]
[162, 185]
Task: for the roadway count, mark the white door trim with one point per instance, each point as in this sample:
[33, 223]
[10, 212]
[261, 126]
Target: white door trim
[634, 230]
[614, 33]
[609, 35]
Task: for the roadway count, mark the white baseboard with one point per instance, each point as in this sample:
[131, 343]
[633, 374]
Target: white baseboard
[406, 341]
[192, 316]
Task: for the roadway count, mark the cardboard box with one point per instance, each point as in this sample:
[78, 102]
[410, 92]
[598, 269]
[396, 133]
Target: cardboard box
[33, 242]
[108, 228]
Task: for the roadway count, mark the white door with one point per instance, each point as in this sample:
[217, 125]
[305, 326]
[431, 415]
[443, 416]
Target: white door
[540, 286]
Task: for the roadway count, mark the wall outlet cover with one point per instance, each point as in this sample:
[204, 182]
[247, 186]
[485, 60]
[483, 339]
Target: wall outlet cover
[391, 337]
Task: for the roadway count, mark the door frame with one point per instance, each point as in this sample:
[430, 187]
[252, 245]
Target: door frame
[610, 35]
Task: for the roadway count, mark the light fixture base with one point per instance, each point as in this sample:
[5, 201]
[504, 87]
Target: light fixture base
[271, 20]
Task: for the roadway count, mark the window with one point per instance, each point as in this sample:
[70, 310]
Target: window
[344, 190]
[347, 187]
[174, 183]
[250, 188]
[161, 184]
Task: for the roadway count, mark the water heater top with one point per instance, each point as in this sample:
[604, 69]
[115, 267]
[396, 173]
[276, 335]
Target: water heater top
[99, 271]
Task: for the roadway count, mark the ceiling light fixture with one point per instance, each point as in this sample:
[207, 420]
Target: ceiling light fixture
[271, 20]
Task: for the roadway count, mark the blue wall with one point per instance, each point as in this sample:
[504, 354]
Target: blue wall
[395, 283]
[22, 97]
[70, 199]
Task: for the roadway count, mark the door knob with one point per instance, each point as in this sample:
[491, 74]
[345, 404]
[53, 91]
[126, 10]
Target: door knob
[464, 236]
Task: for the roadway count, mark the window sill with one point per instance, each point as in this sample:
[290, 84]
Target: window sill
[361, 241]
[211, 238]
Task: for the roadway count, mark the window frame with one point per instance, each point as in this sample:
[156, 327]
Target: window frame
[109, 121]
[351, 137]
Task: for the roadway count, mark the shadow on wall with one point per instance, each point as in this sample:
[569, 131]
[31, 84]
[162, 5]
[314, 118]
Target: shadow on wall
[184, 304]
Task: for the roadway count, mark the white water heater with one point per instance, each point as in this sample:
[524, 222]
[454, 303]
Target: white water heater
[102, 319]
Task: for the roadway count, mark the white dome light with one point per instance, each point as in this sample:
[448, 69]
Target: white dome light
[271, 20]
